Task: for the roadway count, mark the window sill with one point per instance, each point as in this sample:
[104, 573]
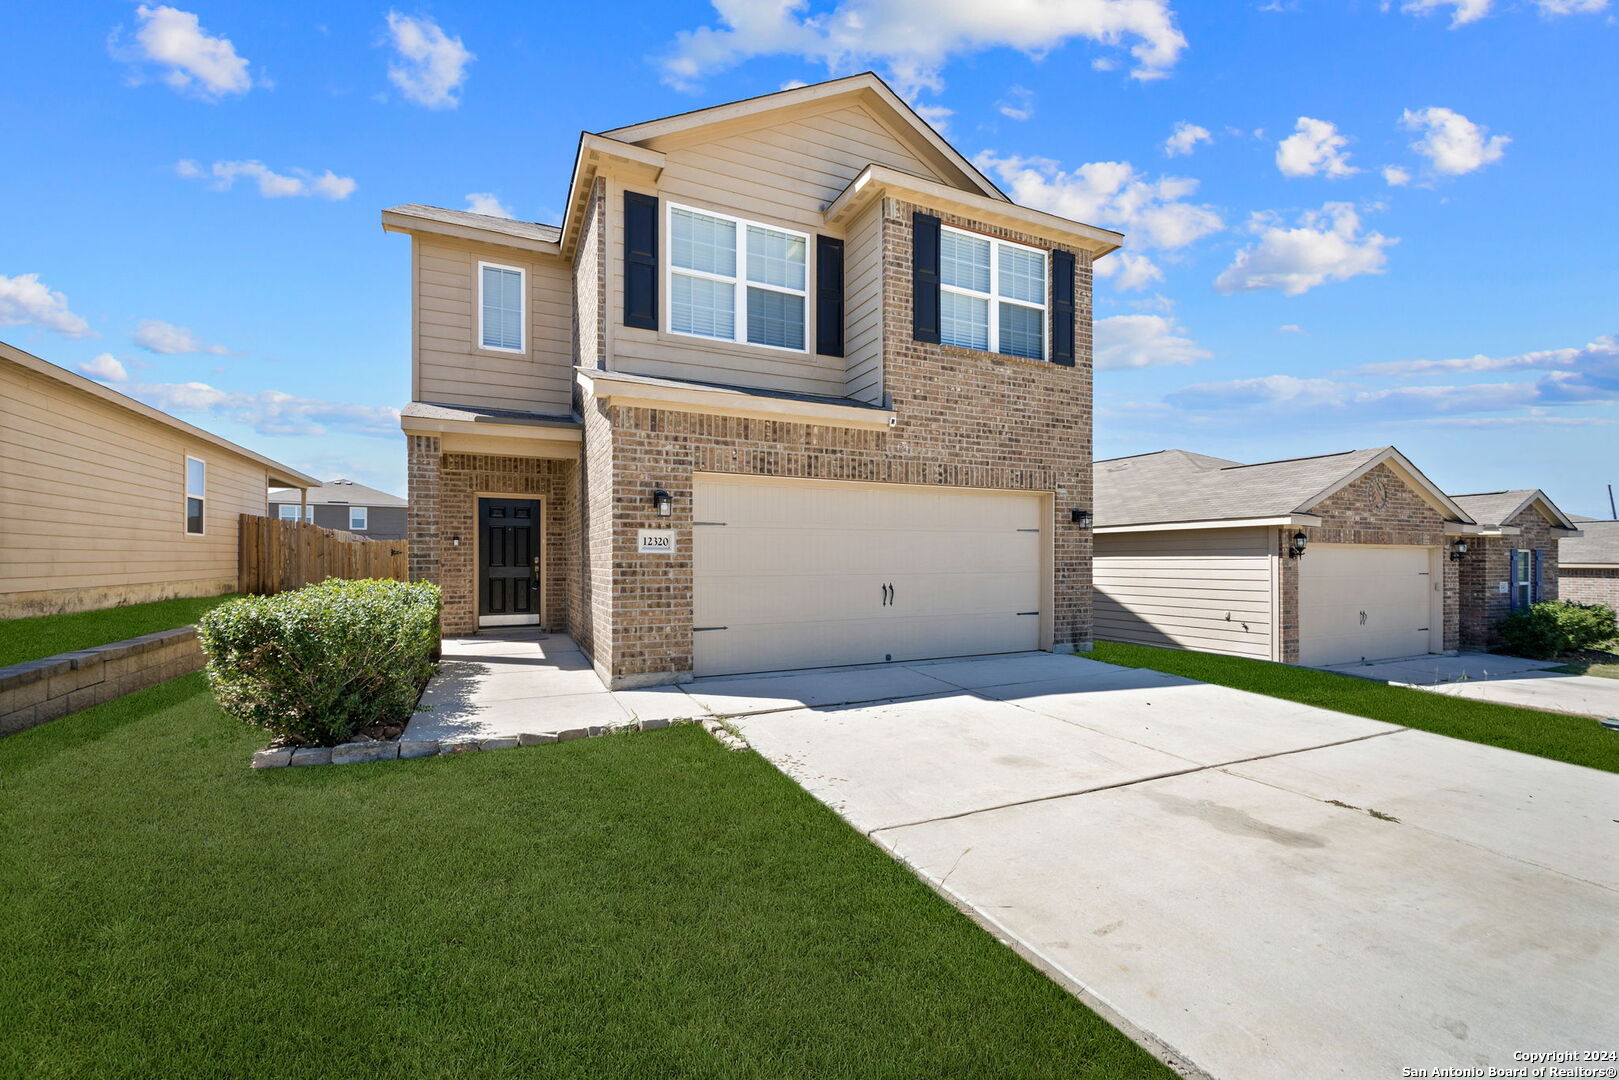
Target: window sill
[965, 353]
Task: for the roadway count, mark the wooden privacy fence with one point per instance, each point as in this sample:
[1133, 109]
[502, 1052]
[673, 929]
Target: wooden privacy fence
[275, 556]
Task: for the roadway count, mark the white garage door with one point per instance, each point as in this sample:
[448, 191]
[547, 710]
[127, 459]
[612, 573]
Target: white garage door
[1363, 603]
[792, 574]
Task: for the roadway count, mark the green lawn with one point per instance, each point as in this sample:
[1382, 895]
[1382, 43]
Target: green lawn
[637, 906]
[1602, 663]
[47, 635]
[1575, 739]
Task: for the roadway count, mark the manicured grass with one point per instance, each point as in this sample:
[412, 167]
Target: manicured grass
[1575, 739]
[47, 635]
[646, 905]
[1602, 663]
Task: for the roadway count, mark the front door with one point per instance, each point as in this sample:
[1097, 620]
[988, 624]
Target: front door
[508, 562]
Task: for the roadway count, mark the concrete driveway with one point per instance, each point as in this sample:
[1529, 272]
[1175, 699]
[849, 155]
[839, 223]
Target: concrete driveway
[1505, 680]
[1250, 887]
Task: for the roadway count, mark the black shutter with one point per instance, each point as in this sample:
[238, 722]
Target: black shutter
[1062, 308]
[924, 277]
[640, 260]
[828, 296]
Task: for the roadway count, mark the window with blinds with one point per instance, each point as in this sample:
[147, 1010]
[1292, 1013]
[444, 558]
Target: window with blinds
[736, 280]
[500, 307]
[992, 295]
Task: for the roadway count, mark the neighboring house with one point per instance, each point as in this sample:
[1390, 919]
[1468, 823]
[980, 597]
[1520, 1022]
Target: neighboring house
[1512, 563]
[1589, 567]
[791, 384]
[107, 501]
[343, 504]
[1203, 553]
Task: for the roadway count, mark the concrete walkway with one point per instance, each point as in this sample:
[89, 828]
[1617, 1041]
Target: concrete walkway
[1505, 680]
[1253, 888]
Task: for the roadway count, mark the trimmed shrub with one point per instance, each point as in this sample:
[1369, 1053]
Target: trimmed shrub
[318, 664]
[1551, 628]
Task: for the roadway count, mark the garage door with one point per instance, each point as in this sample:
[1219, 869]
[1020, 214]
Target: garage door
[1363, 603]
[792, 574]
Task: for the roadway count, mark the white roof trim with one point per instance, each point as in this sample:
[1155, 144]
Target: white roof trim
[1284, 520]
[626, 389]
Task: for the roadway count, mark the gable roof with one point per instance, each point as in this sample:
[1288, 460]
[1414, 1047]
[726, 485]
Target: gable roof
[1599, 546]
[334, 492]
[278, 473]
[867, 85]
[1496, 508]
[1180, 487]
[419, 217]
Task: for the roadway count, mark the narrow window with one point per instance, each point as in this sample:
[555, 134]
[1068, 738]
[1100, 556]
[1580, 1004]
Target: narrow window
[1522, 578]
[357, 518]
[288, 512]
[500, 307]
[992, 295]
[737, 281]
[196, 495]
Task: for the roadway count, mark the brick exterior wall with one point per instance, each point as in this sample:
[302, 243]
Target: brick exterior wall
[1488, 563]
[965, 419]
[455, 481]
[1591, 586]
[1377, 508]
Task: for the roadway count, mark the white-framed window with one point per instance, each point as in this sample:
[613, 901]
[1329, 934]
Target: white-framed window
[196, 504]
[289, 512]
[992, 294]
[357, 515]
[500, 307]
[737, 280]
[1523, 578]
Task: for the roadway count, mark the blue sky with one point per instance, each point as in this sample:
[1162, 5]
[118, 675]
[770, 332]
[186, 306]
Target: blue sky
[1350, 223]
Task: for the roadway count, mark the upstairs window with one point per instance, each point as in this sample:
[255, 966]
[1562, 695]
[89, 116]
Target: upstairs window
[500, 307]
[992, 295]
[196, 495]
[357, 517]
[735, 280]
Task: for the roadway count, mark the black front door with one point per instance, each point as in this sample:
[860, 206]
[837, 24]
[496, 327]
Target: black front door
[508, 561]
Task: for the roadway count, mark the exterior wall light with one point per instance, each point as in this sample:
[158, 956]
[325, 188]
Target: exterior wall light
[1082, 518]
[1457, 550]
[1296, 546]
[455, 541]
[662, 503]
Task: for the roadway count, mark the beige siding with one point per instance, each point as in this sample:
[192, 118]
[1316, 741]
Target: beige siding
[92, 502]
[452, 369]
[863, 307]
[1208, 589]
[780, 172]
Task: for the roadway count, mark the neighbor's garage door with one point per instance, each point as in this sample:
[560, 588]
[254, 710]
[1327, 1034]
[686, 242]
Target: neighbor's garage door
[1363, 603]
[792, 573]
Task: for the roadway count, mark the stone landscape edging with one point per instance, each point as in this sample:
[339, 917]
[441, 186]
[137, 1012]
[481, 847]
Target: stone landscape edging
[39, 691]
[403, 749]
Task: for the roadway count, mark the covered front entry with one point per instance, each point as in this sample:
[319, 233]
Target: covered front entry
[810, 573]
[508, 562]
[1365, 603]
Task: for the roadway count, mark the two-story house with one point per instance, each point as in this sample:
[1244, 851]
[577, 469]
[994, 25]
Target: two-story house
[345, 505]
[792, 384]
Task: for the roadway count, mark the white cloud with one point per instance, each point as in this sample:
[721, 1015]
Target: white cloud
[1395, 176]
[269, 412]
[1462, 11]
[1018, 104]
[432, 65]
[1315, 148]
[1128, 271]
[104, 367]
[1109, 193]
[914, 39]
[272, 185]
[1141, 341]
[26, 301]
[1184, 139]
[1290, 328]
[1601, 355]
[1451, 142]
[1326, 245]
[195, 61]
[485, 202]
[157, 336]
[1571, 7]
[937, 116]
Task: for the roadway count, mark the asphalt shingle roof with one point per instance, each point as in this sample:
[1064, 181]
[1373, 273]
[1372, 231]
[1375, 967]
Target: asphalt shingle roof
[1600, 544]
[528, 230]
[1490, 508]
[1176, 485]
[339, 491]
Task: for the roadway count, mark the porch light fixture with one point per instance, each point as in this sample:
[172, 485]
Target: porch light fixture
[1082, 518]
[662, 503]
[1296, 546]
[1458, 549]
